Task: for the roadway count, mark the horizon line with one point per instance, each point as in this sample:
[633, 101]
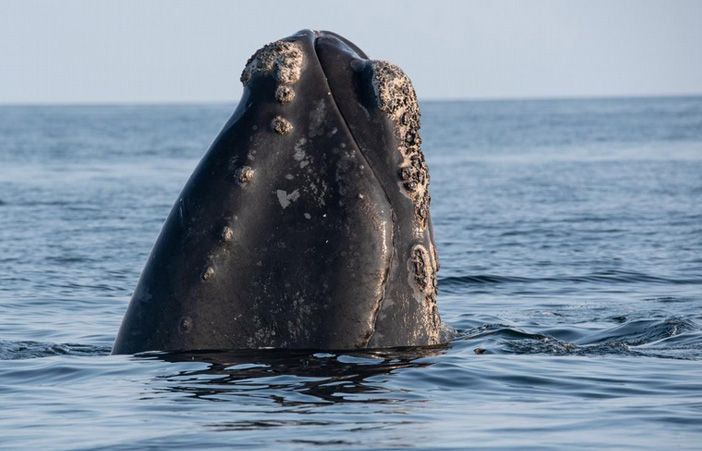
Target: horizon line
[120, 103]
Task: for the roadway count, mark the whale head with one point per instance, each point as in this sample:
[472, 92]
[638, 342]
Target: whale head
[306, 224]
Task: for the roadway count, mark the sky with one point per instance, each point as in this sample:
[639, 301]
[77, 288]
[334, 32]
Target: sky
[154, 51]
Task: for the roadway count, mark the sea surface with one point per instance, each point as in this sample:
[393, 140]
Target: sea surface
[570, 239]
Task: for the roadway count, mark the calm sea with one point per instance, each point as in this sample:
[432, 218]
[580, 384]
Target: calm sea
[570, 240]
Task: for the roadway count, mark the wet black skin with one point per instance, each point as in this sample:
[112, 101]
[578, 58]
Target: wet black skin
[307, 250]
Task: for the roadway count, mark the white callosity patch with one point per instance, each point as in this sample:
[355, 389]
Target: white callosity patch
[245, 175]
[227, 233]
[423, 271]
[397, 98]
[208, 273]
[281, 126]
[422, 268]
[284, 94]
[280, 59]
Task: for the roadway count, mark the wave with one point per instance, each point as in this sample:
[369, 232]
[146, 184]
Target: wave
[612, 276]
[672, 337]
[15, 350]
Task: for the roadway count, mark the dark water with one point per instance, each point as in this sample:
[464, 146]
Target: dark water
[570, 237]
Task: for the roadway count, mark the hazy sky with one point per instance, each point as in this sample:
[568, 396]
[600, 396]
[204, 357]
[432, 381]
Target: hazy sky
[190, 51]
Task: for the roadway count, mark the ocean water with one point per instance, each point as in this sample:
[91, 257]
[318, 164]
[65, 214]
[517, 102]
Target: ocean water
[570, 240]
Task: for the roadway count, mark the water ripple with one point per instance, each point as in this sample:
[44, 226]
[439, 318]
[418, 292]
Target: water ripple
[668, 338]
[568, 233]
[611, 276]
[14, 350]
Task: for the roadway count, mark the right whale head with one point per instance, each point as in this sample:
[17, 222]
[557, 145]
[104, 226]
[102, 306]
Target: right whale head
[375, 99]
[306, 224]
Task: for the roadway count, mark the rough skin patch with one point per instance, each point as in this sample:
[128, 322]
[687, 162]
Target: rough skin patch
[421, 264]
[208, 273]
[284, 94]
[245, 175]
[227, 233]
[280, 59]
[397, 98]
[281, 126]
[425, 278]
[185, 325]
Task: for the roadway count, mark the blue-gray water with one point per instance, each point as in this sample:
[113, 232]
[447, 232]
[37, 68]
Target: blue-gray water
[570, 240]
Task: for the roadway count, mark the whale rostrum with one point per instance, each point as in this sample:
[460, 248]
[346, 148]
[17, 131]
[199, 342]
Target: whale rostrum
[306, 224]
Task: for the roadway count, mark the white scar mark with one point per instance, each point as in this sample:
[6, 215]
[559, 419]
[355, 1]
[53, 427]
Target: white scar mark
[285, 199]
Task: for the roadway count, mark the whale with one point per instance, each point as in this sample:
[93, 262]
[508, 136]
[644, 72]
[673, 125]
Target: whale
[306, 225]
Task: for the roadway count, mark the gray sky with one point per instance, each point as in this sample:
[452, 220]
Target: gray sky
[191, 51]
